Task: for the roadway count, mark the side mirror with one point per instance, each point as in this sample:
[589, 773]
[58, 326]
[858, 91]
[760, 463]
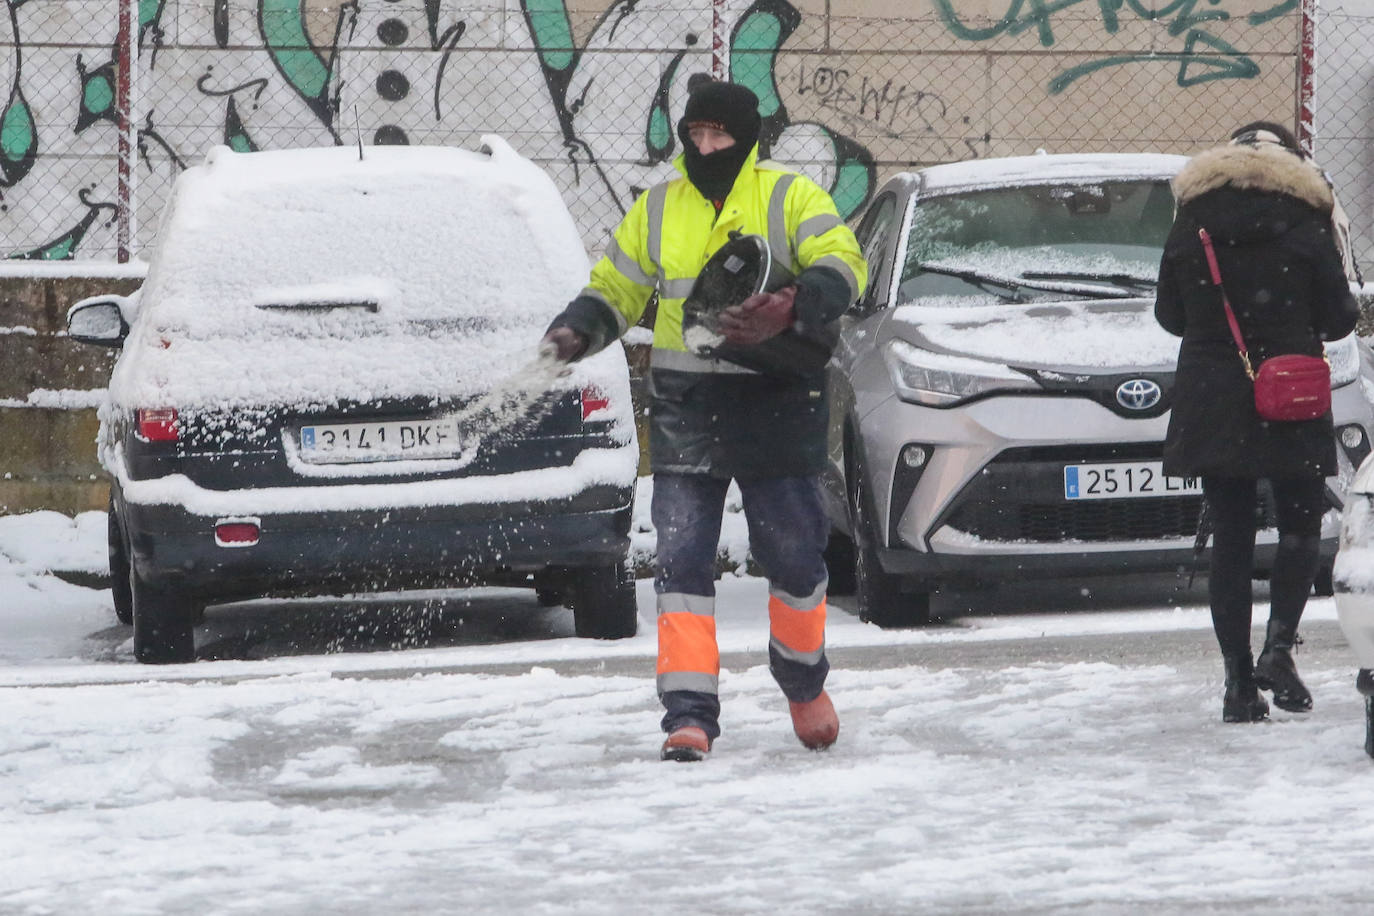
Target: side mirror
[98, 320]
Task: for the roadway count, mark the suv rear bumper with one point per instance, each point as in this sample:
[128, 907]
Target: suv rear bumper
[301, 553]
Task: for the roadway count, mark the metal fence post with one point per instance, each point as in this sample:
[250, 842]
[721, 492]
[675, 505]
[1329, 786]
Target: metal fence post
[1307, 66]
[127, 41]
[720, 42]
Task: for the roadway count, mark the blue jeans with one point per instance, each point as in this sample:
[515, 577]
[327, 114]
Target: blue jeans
[788, 531]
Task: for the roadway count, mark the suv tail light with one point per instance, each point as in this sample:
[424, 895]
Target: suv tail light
[158, 424]
[593, 400]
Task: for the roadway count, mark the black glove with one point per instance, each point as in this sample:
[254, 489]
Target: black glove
[759, 317]
[564, 343]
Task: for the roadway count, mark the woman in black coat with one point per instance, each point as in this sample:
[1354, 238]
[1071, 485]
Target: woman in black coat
[1268, 211]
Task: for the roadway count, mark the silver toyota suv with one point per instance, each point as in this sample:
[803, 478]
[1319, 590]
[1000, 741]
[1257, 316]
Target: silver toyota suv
[1000, 394]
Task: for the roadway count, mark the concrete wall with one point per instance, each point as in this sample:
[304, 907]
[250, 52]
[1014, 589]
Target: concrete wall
[48, 387]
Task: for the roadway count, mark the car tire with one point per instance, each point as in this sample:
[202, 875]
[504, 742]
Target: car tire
[164, 624]
[1324, 585]
[603, 602]
[880, 597]
[839, 564]
[119, 571]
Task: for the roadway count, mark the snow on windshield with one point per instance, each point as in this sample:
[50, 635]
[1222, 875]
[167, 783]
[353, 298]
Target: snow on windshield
[995, 261]
[314, 276]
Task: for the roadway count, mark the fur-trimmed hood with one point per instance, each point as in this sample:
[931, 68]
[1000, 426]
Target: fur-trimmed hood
[1265, 167]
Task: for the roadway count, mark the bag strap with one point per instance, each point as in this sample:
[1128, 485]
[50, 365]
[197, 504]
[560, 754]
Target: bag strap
[1225, 303]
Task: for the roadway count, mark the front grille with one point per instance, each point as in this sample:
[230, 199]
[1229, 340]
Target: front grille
[1094, 520]
[1019, 496]
[1103, 390]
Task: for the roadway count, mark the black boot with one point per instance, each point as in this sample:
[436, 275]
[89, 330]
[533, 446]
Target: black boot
[1276, 671]
[1242, 702]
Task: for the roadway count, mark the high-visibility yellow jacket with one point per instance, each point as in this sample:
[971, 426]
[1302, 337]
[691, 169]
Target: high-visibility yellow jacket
[709, 415]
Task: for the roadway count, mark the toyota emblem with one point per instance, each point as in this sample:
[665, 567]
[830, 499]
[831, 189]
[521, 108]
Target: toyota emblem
[1138, 394]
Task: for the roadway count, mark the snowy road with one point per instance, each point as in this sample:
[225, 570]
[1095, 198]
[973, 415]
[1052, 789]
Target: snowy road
[1049, 753]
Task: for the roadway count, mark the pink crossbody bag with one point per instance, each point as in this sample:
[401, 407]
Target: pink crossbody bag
[1287, 387]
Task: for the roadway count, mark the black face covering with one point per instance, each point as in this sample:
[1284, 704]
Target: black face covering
[729, 108]
[714, 174]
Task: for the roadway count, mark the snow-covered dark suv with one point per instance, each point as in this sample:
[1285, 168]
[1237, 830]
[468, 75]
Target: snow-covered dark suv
[315, 393]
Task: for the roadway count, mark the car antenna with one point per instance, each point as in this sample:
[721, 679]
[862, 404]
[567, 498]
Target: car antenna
[357, 129]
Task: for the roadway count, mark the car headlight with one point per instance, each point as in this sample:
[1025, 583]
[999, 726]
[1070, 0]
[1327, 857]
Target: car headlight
[1344, 357]
[940, 380]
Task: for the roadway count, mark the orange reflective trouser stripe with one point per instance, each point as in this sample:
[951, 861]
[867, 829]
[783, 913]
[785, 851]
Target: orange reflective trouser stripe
[688, 658]
[798, 634]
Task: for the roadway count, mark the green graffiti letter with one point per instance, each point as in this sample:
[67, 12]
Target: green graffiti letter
[552, 32]
[284, 31]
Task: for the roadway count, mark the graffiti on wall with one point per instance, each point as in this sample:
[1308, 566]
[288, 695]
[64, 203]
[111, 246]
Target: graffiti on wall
[1204, 56]
[594, 98]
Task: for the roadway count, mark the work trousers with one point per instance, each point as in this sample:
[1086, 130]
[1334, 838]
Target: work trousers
[787, 537]
[1231, 505]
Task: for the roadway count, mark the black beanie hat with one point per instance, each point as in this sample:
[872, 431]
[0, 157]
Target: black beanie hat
[1257, 132]
[724, 106]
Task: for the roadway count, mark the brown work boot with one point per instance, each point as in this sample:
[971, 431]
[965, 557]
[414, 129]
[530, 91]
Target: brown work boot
[686, 744]
[815, 722]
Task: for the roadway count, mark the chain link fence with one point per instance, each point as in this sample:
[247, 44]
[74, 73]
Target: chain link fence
[1344, 123]
[592, 89]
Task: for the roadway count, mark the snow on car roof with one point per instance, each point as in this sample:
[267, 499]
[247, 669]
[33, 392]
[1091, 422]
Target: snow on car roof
[226, 171]
[424, 219]
[1047, 168]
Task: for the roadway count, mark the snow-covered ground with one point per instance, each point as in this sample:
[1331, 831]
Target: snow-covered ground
[1048, 751]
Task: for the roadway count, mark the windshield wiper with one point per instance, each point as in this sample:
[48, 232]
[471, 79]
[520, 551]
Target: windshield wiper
[319, 305]
[1127, 280]
[983, 281]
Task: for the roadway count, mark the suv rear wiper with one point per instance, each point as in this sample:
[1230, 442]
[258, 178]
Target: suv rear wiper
[1140, 283]
[983, 281]
[370, 305]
